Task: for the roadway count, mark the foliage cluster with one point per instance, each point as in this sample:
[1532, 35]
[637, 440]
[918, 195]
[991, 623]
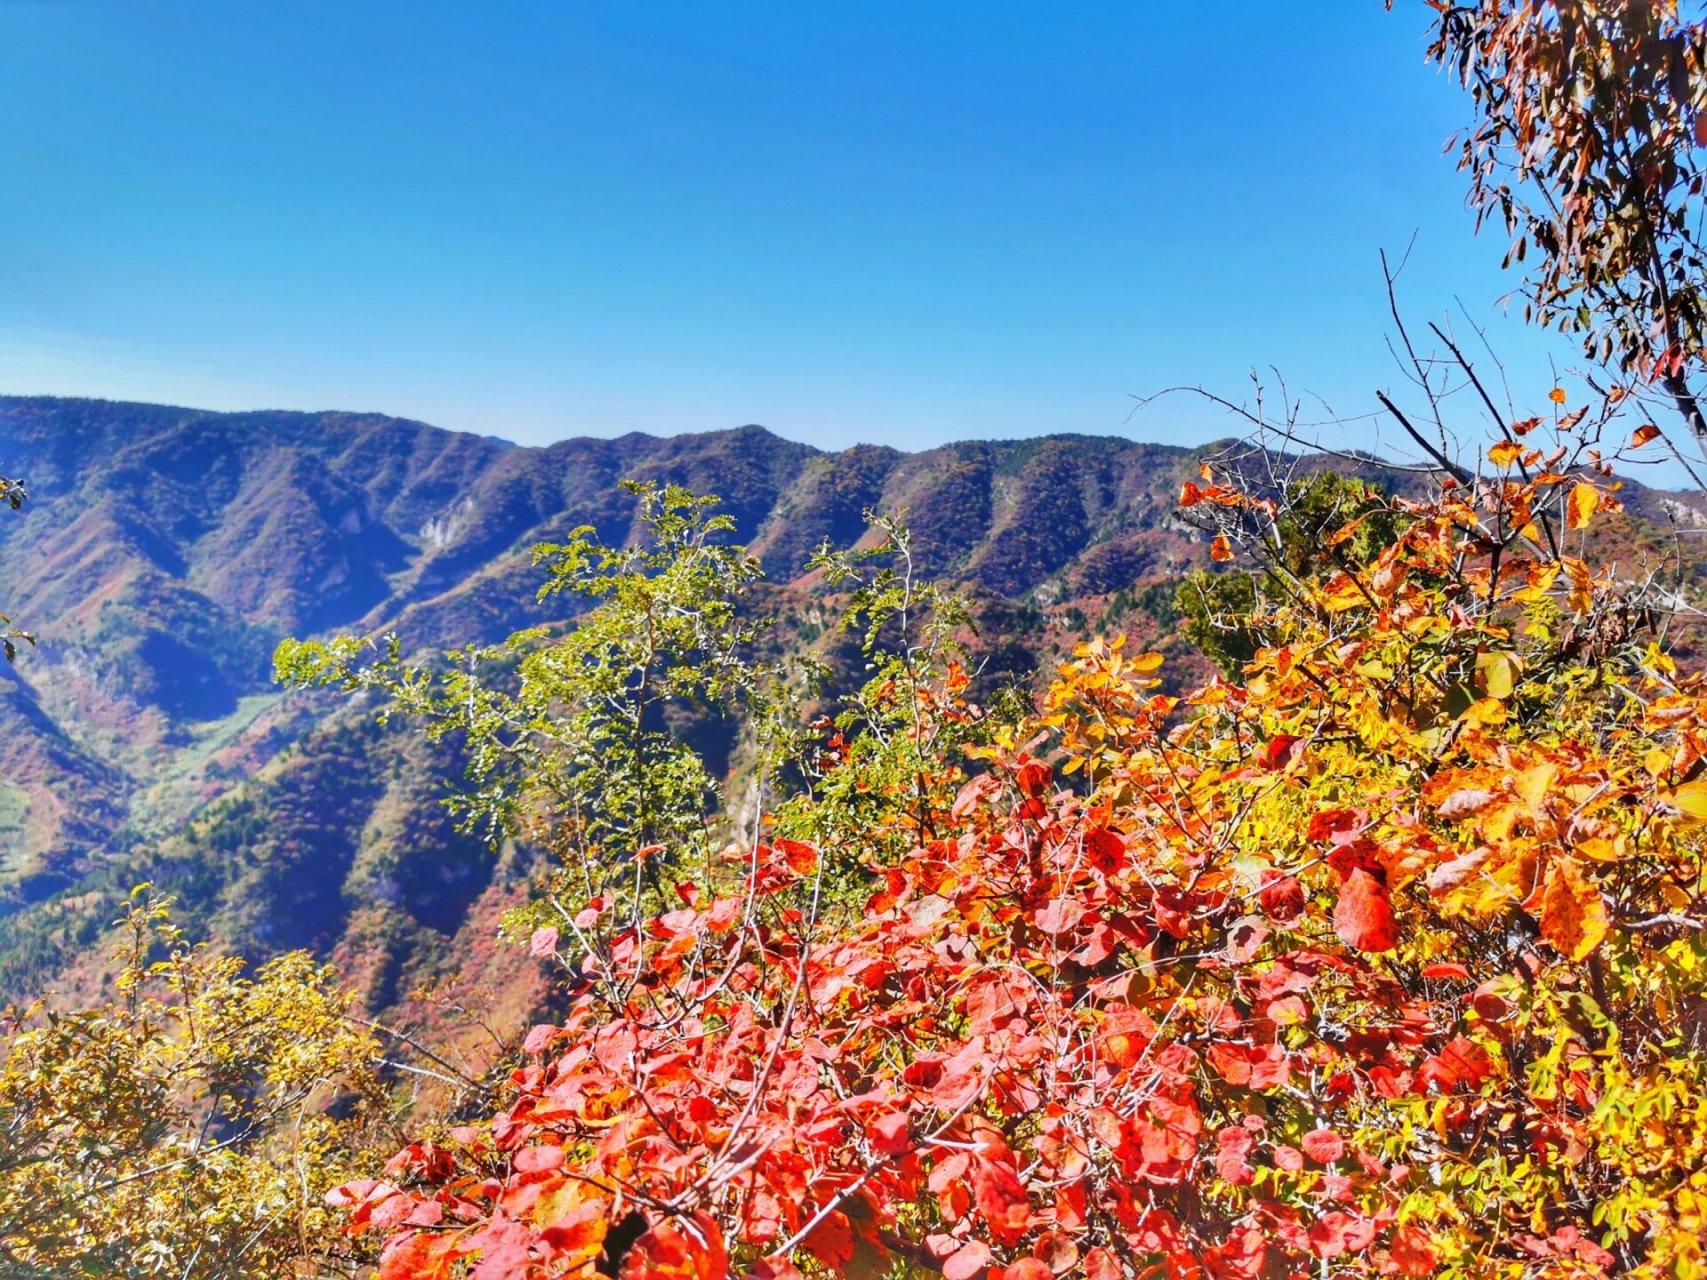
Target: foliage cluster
[191, 1126]
[1585, 146]
[1387, 958]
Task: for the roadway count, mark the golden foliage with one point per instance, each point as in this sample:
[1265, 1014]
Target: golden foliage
[189, 1127]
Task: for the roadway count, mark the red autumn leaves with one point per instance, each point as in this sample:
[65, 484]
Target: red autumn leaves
[1363, 915]
[1077, 1026]
[975, 1056]
[1363, 912]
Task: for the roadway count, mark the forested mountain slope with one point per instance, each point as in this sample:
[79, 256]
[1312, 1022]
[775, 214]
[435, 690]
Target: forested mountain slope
[165, 551]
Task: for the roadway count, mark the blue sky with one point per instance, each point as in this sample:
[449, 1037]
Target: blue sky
[902, 223]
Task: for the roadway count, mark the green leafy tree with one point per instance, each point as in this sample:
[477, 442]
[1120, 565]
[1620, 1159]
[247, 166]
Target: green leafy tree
[893, 757]
[590, 740]
[576, 738]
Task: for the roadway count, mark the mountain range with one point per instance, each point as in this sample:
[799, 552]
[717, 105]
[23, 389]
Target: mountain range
[164, 552]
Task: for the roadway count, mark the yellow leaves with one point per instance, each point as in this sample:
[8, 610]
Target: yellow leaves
[1600, 849]
[1505, 452]
[1690, 800]
[1484, 711]
[1498, 673]
[1342, 592]
[1581, 505]
[191, 1045]
[1538, 581]
[1534, 783]
[1658, 660]
[1571, 911]
[1099, 648]
[1581, 598]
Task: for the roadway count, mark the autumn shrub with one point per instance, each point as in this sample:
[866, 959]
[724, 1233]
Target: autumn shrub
[191, 1125]
[1386, 957]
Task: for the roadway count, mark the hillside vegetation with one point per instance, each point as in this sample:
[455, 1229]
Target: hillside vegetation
[1006, 862]
[165, 552]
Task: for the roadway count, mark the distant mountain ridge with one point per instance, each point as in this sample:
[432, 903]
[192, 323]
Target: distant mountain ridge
[165, 551]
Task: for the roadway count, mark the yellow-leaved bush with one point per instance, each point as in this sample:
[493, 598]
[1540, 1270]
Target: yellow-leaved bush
[188, 1127]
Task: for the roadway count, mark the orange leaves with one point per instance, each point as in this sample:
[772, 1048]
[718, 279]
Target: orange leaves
[418, 1255]
[1216, 494]
[1581, 598]
[1220, 549]
[1126, 1032]
[1557, 395]
[1342, 592]
[1648, 431]
[1572, 912]
[1581, 505]
[1411, 1252]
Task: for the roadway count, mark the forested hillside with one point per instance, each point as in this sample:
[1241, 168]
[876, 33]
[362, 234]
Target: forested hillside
[165, 552]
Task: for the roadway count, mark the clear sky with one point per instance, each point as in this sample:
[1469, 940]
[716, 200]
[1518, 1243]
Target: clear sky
[894, 222]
